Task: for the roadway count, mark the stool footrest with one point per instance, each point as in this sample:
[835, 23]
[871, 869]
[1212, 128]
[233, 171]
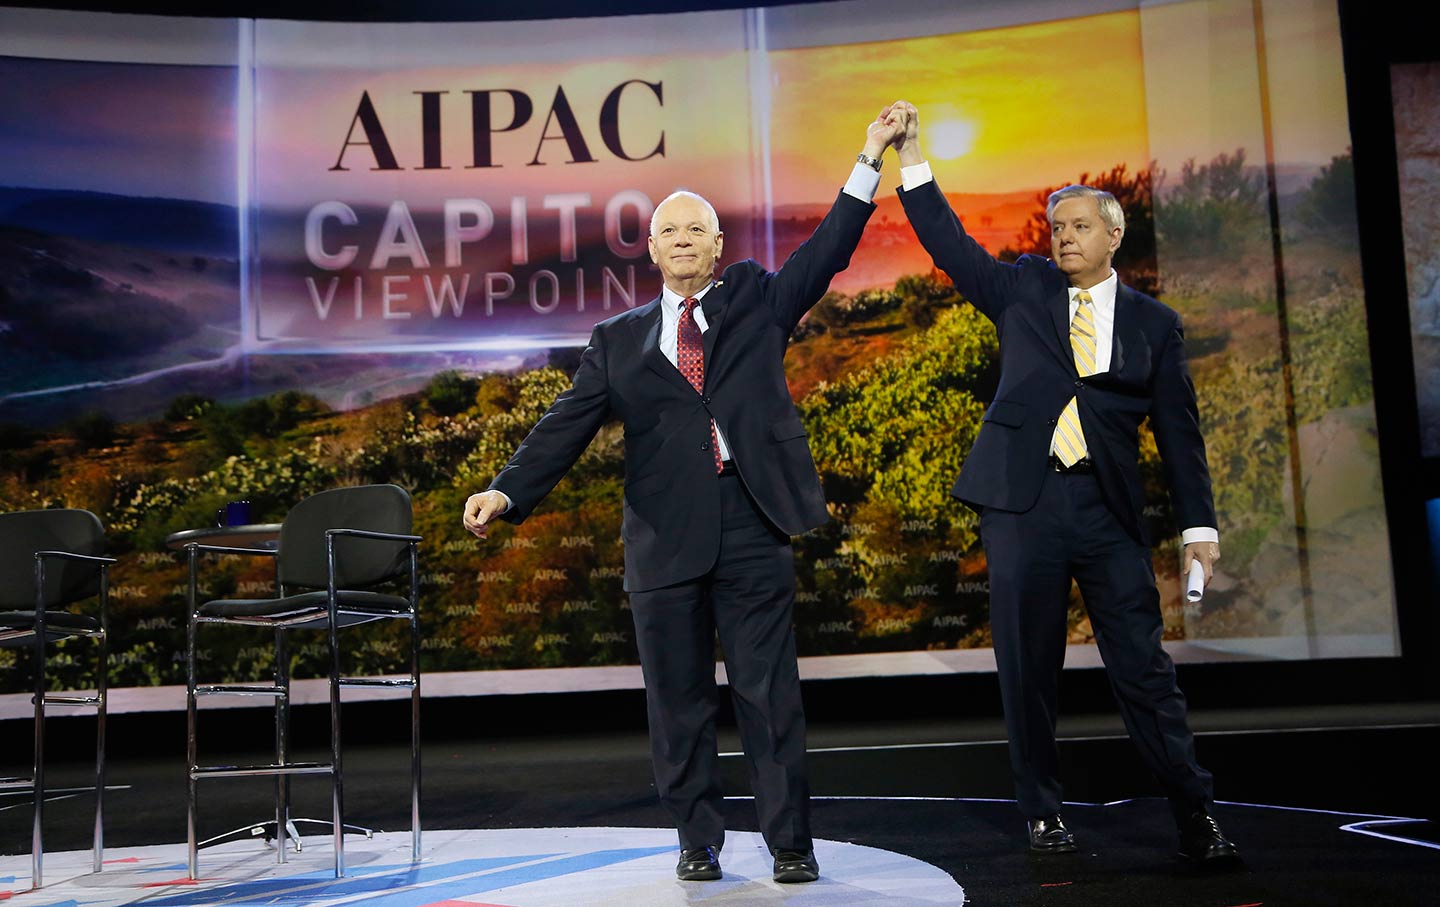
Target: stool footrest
[72, 700]
[16, 783]
[376, 682]
[223, 689]
[240, 771]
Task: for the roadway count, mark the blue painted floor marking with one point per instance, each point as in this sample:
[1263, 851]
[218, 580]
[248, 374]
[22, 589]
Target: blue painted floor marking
[520, 875]
[316, 886]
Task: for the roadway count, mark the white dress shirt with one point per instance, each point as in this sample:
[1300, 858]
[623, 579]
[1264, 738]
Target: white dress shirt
[670, 340]
[1103, 296]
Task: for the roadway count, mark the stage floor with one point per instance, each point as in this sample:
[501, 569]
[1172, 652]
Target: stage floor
[1327, 809]
[516, 867]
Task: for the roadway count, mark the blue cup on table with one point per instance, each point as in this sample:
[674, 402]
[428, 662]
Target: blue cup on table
[235, 513]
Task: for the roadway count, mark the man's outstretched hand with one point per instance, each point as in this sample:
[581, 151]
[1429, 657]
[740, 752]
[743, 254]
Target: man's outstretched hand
[480, 509]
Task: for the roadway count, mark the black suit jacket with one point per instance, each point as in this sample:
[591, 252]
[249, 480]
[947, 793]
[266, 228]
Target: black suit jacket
[1148, 377]
[671, 525]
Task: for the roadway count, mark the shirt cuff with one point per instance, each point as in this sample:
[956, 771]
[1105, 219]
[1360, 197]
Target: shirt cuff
[916, 175]
[862, 183]
[1199, 534]
[508, 503]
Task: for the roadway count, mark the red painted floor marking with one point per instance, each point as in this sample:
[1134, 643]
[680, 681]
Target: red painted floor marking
[126, 860]
[183, 880]
[462, 904]
[1055, 884]
[1256, 904]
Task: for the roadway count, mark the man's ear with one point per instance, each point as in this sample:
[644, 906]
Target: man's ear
[719, 244]
[654, 255]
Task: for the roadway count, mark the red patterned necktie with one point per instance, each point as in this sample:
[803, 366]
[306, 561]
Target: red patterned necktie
[690, 359]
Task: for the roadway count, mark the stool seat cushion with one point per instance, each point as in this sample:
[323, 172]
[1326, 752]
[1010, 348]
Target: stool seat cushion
[58, 625]
[355, 606]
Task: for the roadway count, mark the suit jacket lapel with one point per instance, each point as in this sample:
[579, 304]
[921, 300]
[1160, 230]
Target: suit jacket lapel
[1059, 307]
[1124, 318]
[714, 306]
[647, 330]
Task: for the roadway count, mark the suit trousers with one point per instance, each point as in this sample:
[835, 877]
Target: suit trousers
[1070, 532]
[748, 599]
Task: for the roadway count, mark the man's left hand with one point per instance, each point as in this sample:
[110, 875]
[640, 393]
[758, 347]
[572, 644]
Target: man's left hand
[1206, 552]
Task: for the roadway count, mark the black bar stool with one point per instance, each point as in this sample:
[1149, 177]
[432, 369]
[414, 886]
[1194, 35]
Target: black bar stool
[50, 559]
[335, 547]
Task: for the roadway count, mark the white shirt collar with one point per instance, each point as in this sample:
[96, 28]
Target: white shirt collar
[1102, 294]
[671, 300]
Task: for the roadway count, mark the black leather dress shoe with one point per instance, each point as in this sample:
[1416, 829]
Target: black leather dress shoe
[1203, 843]
[796, 866]
[1048, 834]
[698, 864]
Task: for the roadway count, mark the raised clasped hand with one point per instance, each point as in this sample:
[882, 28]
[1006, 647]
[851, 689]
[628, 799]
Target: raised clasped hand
[880, 133]
[906, 141]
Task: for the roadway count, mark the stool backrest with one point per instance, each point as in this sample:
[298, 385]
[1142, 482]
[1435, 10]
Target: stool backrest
[358, 562]
[25, 532]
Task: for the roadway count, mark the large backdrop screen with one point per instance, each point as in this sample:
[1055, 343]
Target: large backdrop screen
[256, 259]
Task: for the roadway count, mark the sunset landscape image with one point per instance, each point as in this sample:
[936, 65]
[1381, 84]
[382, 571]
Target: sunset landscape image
[404, 311]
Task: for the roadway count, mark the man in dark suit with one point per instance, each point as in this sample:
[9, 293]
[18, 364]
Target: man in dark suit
[718, 476]
[1055, 476]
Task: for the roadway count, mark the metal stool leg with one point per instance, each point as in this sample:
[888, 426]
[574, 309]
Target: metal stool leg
[191, 750]
[37, 843]
[337, 775]
[414, 705]
[102, 674]
[282, 744]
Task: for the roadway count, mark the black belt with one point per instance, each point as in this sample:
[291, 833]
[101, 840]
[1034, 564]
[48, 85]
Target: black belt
[1079, 467]
[727, 468]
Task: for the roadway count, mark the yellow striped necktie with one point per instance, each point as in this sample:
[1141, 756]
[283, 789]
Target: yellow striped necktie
[1069, 440]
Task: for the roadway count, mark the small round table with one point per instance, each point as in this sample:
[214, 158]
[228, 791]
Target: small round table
[253, 535]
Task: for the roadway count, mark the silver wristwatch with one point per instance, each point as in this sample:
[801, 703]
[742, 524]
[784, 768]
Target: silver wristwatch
[872, 162]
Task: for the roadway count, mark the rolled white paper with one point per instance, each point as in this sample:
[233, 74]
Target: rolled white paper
[1195, 583]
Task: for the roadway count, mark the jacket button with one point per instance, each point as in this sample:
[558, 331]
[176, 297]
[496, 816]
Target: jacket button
[1049, 421]
[1079, 383]
[705, 400]
[704, 446]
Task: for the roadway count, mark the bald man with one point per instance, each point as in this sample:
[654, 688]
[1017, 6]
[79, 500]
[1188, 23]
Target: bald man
[718, 477]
